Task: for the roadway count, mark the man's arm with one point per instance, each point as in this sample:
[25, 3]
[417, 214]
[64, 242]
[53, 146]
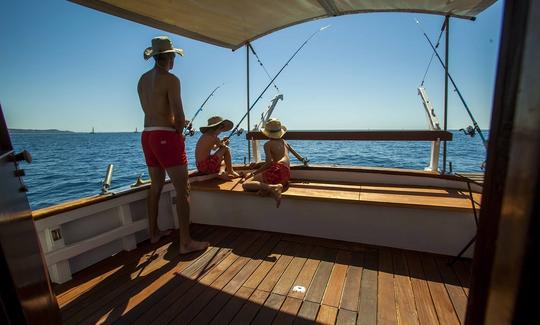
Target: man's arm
[175, 104]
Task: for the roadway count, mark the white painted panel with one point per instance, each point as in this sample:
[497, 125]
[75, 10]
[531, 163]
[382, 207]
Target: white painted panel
[95, 255]
[90, 226]
[428, 230]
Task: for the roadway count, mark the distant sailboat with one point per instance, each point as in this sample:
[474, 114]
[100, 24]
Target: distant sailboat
[93, 131]
[136, 131]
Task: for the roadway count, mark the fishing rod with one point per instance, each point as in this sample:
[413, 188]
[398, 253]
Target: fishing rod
[233, 131]
[189, 129]
[476, 127]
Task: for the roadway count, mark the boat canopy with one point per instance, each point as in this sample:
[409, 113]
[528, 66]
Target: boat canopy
[233, 23]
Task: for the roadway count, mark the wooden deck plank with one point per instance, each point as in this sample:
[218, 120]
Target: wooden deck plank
[307, 272]
[424, 304]
[232, 306]
[351, 288]
[250, 308]
[105, 303]
[230, 291]
[107, 271]
[139, 294]
[346, 317]
[179, 286]
[406, 306]
[386, 309]
[124, 304]
[269, 310]
[222, 289]
[287, 312]
[307, 313]
[334, 289]
[345, 285]
[445, 310]
[317, 287]
[463, 272]
[204, 283]
[327, 315]
[367, 305]
[286, 281]
[455, 291]
[273, 276]
[262, 270]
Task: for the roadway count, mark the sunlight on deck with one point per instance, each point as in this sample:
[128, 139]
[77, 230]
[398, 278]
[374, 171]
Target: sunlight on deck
[248, 276]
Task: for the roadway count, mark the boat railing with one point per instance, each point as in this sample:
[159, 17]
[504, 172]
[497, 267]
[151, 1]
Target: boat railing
[434, 136]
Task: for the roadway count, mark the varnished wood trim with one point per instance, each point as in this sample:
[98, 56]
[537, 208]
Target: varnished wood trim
[87, 201]
[408, 135]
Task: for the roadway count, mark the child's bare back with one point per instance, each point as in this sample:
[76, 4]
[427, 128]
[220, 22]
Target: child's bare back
[276, 149]
[205, 145]
[211, 163]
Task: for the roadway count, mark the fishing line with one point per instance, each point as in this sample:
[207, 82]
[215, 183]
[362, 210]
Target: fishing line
[233, 131]
[262, 65]
[443, 27]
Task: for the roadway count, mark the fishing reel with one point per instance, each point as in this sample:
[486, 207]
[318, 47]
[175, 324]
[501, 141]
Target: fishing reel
[239, 132]
[470, 131]
[189, 130]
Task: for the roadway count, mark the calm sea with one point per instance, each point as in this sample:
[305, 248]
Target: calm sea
[72, 165]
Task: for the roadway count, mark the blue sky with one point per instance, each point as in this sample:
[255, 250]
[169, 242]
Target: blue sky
[68, 67]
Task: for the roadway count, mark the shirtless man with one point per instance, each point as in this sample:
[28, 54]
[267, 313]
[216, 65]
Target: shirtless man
[273, 176]
[162, 140]
[208, 162]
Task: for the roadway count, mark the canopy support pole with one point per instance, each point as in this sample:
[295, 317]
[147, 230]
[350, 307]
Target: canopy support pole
[445, 120]
[247, 98]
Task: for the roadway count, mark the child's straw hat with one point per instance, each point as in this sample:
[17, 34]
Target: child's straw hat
[215, 121]
[274, 129]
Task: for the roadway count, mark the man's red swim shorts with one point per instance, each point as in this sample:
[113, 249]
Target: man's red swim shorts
[163, 148]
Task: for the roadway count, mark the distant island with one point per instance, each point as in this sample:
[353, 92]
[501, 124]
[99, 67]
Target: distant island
[13, 131]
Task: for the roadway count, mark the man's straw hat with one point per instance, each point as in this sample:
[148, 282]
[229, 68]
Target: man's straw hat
[273, 129]
[215, 121]
[161, 44]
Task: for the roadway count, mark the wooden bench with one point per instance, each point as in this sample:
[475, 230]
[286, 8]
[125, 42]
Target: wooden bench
[398, 195]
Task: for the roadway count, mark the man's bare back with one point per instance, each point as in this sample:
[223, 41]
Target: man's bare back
[159, 93]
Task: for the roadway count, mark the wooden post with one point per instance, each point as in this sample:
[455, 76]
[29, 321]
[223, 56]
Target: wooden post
[445, 119]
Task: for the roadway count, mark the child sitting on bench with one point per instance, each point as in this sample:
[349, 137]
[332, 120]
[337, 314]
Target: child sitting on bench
[273, 176]
[208, 162]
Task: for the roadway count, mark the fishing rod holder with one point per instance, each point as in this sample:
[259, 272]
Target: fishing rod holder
[469, 130]
[106, 185]
[139, 182]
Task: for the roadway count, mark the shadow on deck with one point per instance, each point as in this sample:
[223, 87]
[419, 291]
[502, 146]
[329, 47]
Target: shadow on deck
[247, 276]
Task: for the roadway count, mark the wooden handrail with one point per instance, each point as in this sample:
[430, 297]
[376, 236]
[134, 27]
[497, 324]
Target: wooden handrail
[408, 135]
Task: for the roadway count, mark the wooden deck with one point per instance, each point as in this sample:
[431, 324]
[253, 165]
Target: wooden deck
[247, 276]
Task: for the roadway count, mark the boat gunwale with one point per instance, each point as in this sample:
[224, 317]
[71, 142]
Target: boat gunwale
[56, 209]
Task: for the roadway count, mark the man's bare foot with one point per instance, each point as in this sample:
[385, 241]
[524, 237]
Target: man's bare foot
[160, 235]
[234, 174]
[275, 191]
[193, 246]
